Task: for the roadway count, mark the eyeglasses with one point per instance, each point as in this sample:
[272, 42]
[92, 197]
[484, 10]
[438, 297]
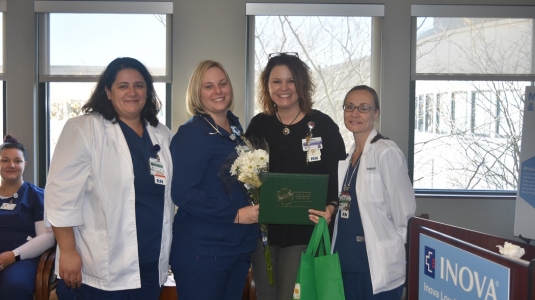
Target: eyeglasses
[361, 108]
[283, 53]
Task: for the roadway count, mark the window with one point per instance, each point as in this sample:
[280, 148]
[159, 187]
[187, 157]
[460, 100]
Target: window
[470, 66]
[334, 40]
[70, 62]
[2, 97]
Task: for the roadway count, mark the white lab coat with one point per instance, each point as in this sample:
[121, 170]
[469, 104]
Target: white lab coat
[386, 202]
[90, 187]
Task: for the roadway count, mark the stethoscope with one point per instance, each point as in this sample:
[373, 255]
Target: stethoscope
[231, 136]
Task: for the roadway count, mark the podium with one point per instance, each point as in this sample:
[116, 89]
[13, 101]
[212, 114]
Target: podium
[448, 262]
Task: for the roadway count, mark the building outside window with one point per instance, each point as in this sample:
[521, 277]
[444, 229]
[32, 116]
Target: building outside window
[470, 76]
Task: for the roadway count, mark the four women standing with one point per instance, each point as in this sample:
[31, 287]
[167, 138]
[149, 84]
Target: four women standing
[108, 196]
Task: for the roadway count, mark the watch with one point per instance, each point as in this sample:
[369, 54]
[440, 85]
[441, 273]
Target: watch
[17, 256]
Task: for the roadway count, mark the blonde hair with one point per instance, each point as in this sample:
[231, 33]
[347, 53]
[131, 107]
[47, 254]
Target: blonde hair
[193, 94]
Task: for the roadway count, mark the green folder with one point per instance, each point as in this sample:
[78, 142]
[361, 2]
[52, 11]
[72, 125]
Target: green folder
[286, 198]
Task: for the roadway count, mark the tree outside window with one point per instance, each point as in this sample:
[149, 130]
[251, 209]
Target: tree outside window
[475, 144]
[337, 49]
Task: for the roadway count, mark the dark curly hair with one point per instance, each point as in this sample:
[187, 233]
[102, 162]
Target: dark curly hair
[98, 102]
[304, 84]
[12, 143]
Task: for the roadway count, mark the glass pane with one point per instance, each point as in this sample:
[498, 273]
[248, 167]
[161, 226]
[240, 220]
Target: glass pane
[474, 134]
[474, 46]
[337, 49]
[67, 99]
[84, 44]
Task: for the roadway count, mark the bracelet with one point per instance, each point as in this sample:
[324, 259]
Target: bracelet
[335, 205]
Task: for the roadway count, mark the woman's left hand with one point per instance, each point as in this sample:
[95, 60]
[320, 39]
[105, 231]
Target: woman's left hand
[6, 258]
[327, 214]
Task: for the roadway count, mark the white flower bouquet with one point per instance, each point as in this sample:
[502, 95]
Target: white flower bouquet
[247, 167]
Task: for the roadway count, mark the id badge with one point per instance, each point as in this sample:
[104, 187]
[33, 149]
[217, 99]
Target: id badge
[8, 206]
[156, 166]
[345, 201]
[314, 155]
[313, 143]
[160, 179]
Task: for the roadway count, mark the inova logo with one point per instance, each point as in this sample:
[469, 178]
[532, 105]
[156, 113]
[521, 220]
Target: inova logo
[429, 262]
[467, 279]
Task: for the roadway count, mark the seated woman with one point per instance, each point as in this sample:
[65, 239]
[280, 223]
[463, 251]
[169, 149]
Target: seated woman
[23, 236]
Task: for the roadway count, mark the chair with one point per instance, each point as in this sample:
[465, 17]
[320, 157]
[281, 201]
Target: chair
[45, 280]
[249, 292]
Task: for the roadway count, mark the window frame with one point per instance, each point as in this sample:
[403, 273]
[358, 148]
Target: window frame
[43, 9]
[3, 9]
[464, 11]
[375, 11]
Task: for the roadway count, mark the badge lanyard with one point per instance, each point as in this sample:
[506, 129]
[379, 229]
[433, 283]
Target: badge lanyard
[10, 205]
[312, 145]
[345, 195]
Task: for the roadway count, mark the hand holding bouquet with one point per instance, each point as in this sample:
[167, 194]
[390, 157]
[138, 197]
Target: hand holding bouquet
[247, 167]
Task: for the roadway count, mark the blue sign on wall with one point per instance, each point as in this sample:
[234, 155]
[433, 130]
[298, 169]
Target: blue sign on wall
[448, 273]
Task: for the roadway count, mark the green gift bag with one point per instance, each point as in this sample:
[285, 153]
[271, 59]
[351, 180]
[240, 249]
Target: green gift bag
[319, 276]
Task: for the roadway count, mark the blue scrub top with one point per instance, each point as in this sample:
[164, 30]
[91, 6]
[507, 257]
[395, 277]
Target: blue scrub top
[204, 222]
[18, 224]
[353, 256]
[149, 195]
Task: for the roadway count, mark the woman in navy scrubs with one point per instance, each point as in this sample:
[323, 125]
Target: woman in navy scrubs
[108, 191]
[214, 232]
[23, 235]
[375, 204]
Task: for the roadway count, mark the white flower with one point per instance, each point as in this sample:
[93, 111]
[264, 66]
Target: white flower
[297, 291]
[234, 169]
[248, 165]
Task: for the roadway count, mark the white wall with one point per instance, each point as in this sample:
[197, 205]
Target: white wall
[216, 29]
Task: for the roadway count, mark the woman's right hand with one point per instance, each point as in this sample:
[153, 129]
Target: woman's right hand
[248, 214]
[70, 262]
[70, 268]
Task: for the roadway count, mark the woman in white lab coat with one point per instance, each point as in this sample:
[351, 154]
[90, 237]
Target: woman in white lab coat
[107, 196]
[376, 201]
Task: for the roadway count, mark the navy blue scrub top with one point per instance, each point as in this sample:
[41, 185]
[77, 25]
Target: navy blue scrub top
[149, 195]
[353, 257]
[18, 224]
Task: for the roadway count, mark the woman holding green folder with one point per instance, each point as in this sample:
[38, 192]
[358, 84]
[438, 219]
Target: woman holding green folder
[376, 201]
[287, 120]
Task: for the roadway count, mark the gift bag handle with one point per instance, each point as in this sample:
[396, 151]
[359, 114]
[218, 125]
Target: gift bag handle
[319, 240]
